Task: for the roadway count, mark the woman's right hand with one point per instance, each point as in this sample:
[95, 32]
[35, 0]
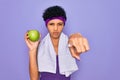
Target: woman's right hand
[31, 45]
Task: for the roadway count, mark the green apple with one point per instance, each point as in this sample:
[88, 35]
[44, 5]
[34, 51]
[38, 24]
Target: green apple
[33, 35]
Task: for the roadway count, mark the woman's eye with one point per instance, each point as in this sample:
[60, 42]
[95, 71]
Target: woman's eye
[60, 24]
[51, 24]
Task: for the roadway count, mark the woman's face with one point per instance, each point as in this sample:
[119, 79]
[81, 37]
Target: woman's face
[55, 27]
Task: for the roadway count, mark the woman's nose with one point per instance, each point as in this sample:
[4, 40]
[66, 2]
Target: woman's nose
[55, 27]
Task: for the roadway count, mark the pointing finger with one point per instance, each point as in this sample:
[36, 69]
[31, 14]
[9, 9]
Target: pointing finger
[73, 53]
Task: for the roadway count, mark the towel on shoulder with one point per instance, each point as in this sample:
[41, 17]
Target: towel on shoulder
[47, 56]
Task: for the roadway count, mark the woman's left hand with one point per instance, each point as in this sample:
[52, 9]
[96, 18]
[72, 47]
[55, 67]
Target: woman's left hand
[77, 45]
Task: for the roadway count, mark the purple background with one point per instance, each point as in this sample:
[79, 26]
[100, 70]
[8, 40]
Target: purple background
[97, 20]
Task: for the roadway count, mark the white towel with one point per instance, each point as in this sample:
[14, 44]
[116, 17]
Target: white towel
[47, 56]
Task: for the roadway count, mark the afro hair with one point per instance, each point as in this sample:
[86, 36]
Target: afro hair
[54, 11]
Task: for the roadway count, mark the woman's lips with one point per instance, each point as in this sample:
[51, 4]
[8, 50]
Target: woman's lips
[55, 33]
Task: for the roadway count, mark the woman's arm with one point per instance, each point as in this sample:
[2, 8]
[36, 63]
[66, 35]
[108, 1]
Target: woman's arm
[33, 66]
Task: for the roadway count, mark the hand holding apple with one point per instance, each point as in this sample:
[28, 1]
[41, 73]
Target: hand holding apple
[32, 39]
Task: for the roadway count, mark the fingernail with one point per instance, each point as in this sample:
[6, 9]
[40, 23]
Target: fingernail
[78, 57]
[69, 45]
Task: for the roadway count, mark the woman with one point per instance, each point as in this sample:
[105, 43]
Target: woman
[54, 57]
